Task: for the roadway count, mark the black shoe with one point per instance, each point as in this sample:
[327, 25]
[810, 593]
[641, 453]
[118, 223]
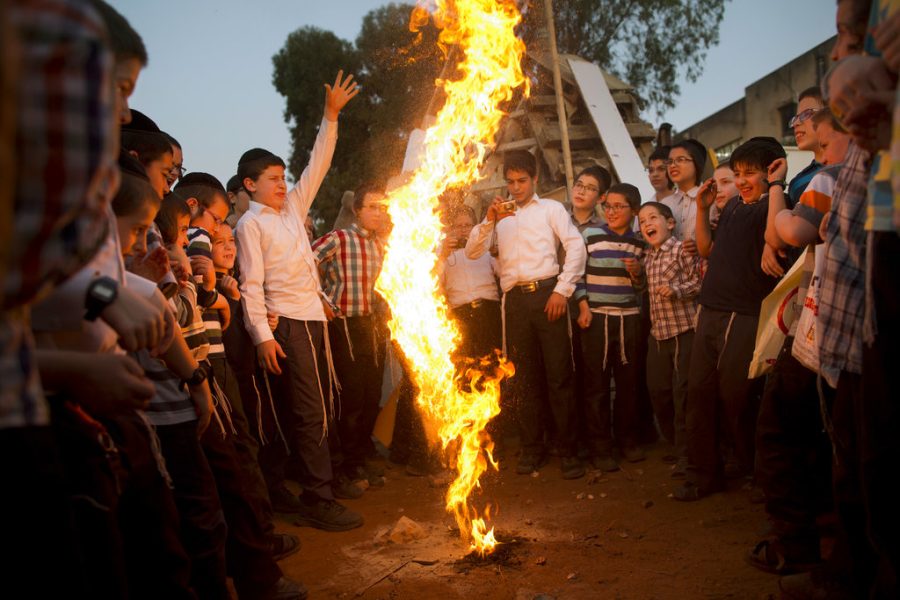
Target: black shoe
[571, 467]
[605, 463]
[329, 515]
[373, 469]
[284, 545]
[345, 489]
[529, 463]
[284, 501]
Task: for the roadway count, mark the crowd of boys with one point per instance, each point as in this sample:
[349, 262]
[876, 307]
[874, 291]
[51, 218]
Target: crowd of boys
[173, 349]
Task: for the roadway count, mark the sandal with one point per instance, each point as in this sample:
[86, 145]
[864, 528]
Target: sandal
[770, 556]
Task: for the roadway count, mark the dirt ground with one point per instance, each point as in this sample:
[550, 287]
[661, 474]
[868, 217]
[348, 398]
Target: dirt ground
[613, 535]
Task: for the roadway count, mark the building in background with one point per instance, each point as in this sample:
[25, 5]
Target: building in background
[766, 108]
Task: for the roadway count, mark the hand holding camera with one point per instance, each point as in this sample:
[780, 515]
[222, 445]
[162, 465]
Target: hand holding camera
[501, 208]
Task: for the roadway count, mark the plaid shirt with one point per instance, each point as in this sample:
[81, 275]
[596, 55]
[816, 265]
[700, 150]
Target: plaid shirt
[350, 261]
[842, 295]
[64, 164]
[669, 265]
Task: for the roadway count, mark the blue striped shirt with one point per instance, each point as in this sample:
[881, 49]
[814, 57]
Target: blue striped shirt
[606, 283]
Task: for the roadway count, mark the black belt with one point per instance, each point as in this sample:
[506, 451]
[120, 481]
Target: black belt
[477, 303]
[529, 287]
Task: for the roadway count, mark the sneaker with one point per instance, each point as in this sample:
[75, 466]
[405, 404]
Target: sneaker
[284, 545]
[633, 454]
[571, 467]
[605, 463]
[287, 589]
[284, 501]
[373, 469]
[529, 463]
[329, 515]
[345, 489]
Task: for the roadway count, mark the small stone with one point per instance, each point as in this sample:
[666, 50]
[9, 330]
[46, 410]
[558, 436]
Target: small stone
[405, 530]
[603, 494]
[590, 496]
[541, 561]
[670, 495]
[623, 534]
[535, 474]
[580, 496]
[571, 576]
[647, 503]
[529, 522]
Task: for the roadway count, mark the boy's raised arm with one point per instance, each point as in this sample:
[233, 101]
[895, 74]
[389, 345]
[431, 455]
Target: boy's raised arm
[336, 97]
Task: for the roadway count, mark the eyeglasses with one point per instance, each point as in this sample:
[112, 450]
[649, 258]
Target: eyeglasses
[803, 116]
[177, 171]
[585, 188]
[614, 208]
[678, 160]
[215, 217]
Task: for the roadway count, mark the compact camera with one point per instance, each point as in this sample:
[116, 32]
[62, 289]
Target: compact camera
[508, 207]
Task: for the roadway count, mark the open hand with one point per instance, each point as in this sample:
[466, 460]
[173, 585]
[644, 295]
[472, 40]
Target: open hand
[706, 195]
[777, 171]
[338, 95]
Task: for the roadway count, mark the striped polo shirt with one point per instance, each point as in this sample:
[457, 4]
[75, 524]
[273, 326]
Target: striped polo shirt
[606, 283]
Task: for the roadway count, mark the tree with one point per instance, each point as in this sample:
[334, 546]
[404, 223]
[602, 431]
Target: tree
[646, 43]
[396, 68]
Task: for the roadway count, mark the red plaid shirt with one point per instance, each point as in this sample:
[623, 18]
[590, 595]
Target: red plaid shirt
[64, 164]
[350, 261]
[669, 266]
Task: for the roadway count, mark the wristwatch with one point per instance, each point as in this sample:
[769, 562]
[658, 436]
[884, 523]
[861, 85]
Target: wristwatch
[199, 375]
[101, 293]
[780, 182]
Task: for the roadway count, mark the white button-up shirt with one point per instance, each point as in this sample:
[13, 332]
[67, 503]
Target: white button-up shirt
[528, 243]
[278, 271]
[684, 208]
[465, 280]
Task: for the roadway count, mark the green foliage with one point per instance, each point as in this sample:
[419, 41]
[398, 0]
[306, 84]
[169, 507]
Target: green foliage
[396, 69]
[646, 43]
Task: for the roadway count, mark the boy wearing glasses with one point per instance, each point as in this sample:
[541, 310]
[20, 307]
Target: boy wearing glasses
[809, 104]
[206, 197]
[685, 166]
[610, 314]
[349, 263]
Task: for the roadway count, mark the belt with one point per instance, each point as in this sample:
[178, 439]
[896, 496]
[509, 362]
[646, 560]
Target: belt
[529, 287]
[477, 303]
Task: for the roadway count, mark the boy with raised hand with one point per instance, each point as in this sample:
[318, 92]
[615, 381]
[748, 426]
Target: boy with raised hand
[350, 261]
[278, 272]
[730, 298]
[536, 290]
[610, 315]
[673, 279]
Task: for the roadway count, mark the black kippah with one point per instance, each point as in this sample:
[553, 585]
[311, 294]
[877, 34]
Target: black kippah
[255, 154]
[198, 178]
[141, 122]
[234, 184]
[130, 165]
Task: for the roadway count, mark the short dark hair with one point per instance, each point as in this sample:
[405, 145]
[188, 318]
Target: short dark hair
[826, 115]
[661, 153]
[172, 140]
[202, 186]
[149, 146]
[359, 194]
[173, 206]
[604, 179]
[253, 162]
[126, 43]
[134, 193]
[631, 194]
[814, 92]
[757, 152]
[664, 210]
[519, 160]
[234, 184]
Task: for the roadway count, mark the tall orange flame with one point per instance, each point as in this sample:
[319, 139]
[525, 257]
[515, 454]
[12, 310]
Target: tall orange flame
[457, 403]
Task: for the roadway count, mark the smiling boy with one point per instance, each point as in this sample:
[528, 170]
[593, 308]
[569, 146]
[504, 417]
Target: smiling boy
[673, 279]
[743, 270]
[610, 317]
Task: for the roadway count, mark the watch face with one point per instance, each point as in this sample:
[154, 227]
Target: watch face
[104, 293]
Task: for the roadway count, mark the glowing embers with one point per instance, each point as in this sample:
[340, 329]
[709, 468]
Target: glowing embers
[456, 404]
